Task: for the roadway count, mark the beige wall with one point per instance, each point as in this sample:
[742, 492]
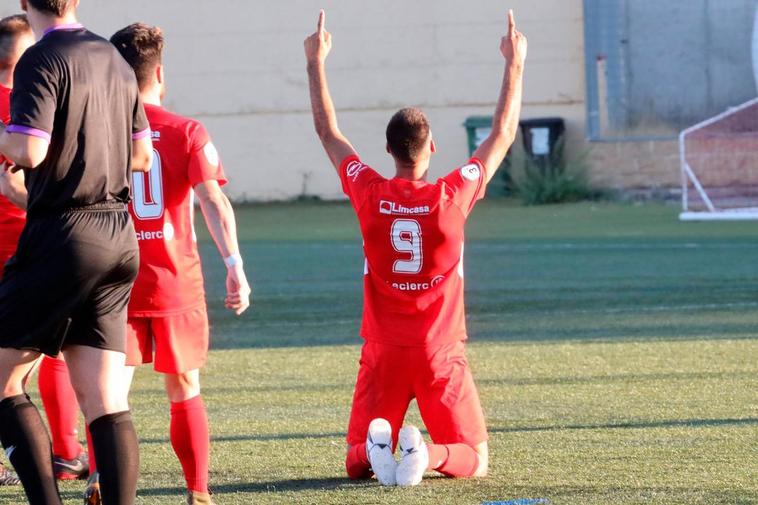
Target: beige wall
[238, 66]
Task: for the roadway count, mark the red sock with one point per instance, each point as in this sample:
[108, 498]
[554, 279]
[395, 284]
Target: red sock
[61, 407]
[191, 441]
[91, 452]
[356, 462]
[453, 460]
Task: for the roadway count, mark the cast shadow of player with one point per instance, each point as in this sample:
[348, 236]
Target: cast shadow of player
[668, 423]
[257, 438]
[274, 486]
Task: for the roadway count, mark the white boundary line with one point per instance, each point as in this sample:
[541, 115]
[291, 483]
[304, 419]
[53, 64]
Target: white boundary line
[724, 215]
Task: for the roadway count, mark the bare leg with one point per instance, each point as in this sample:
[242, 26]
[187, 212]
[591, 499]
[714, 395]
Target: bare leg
[182, 387]
[100, 380]
[33, 370]
[15, 367]
[22, 431]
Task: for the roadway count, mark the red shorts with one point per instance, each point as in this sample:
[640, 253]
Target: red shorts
[180, 342]
[439, 378]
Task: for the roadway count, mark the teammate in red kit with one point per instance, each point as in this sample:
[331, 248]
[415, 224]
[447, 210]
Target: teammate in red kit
[15, 37]
[413, 316]
[58, 397]
[167, 312]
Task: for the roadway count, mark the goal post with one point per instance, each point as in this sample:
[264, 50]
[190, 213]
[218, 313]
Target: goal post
[719, 166]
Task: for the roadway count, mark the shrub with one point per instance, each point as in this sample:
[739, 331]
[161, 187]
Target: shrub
[554, 180]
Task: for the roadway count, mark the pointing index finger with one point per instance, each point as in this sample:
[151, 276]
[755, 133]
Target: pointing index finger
[321, 20]
[511, 23]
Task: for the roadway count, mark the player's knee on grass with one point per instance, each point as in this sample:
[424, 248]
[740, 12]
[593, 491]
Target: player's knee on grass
[356, 462]
[182, 387]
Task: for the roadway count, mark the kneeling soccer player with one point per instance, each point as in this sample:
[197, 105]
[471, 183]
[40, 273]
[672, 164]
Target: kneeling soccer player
[167, 312]
[413, 318]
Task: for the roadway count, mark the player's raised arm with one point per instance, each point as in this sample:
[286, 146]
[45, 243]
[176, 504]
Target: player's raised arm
[317, 47]
[505, 121]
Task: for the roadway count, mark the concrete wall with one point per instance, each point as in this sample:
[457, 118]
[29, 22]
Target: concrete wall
[238, 66]
[682, 72]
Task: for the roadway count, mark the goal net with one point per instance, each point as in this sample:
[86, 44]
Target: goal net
[719, 160]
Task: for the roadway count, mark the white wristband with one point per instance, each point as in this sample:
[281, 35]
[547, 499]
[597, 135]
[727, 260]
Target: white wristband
[233, 260]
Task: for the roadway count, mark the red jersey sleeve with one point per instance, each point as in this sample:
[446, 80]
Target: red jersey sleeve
[5, 112]
[357, 179]
[5, 105]
[204, 162]
[466, 185]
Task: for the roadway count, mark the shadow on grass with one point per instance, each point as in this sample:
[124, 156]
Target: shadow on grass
[639, 494]
[256, 438]
[622, 378]
[671, 423]
[275, 486]
[682, 333]
[627, 494]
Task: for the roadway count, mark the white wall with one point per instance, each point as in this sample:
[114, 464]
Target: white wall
[238, 66]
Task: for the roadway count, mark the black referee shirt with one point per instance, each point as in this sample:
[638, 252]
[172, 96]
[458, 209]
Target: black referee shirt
[74, 89]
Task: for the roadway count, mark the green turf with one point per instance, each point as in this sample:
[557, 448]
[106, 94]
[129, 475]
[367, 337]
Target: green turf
[615, 349]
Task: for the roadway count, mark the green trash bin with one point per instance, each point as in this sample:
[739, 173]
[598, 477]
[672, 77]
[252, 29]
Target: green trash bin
[478, 129]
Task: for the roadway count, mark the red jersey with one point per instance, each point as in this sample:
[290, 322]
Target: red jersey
[12, 219]
[170, 279]
[413, 243]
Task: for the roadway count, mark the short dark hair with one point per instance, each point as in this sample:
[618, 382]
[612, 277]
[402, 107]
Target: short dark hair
[407, 133]
[141, 46]
[57, 7]
[10, 29]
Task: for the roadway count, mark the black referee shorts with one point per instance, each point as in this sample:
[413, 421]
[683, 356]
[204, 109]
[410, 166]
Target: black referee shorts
[70, 281]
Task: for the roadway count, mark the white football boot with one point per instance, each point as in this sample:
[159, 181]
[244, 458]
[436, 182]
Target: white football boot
[379, 451]
[414, 457]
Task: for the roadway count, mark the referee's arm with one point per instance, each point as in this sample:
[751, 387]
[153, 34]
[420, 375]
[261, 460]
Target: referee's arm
[142, 144]
[24, 150]
[12, 186]
[142, 154]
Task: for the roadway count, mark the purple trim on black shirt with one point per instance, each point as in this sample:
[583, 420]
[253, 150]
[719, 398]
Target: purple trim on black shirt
[26, 130]
[67, 27]
[141, 135]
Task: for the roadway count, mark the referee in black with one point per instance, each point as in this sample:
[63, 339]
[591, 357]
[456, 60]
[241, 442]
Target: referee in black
[78, 124]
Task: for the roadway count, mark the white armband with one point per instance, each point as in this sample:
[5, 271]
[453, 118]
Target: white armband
[233, 260]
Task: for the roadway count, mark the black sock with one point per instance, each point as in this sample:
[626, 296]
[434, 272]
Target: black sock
[27, 445]
[117, 456]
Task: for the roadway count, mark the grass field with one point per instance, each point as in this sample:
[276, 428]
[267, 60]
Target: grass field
[615, 348]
